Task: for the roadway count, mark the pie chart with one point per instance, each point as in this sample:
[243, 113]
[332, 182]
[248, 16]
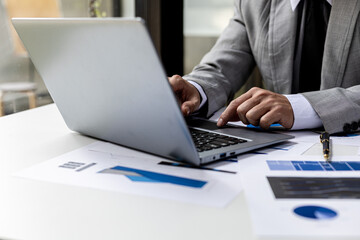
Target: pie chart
[315, 212]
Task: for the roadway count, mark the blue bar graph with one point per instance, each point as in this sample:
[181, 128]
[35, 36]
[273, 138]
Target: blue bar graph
[138, 175]
[355, 165]
[276, 165]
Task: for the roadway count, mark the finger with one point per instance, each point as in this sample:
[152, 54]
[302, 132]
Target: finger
[177, 83]
[286, 121]
[190, 105]
[179, 87]
[254, 115]
[269, 118]
[277, 114]
[230, 113]
[195, 100]
[187, 108]
[241, 115]
[244, 108]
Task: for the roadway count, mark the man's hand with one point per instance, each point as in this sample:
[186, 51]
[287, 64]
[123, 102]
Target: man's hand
[259, 107]
[186, 93]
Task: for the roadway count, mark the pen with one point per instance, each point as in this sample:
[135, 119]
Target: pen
[325, 140]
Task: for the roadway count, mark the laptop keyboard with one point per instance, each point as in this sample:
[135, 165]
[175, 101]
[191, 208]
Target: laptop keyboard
[205, 141]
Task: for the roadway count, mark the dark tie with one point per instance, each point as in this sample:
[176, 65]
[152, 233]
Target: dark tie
[312, 26]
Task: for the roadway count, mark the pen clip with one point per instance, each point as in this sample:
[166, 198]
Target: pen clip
[325, 136]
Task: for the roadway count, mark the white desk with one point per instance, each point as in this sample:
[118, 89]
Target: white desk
[40, 210]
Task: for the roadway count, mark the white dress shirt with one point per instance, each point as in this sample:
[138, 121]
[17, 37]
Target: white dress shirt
[305, 116]
[295, 3]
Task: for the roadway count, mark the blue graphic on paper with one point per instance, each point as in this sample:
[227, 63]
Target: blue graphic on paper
[312, 166]
[275, 125]
[315, 212]
[137, 175]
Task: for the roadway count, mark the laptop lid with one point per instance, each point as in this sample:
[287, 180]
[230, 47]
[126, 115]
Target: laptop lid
[107, 81]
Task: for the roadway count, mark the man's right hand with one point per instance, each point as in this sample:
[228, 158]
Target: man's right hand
[186, 93]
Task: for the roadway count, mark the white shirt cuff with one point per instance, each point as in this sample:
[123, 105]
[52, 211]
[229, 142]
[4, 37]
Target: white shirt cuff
[201, 92]
[305, 116]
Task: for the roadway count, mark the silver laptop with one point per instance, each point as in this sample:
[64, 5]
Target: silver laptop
[108, 82]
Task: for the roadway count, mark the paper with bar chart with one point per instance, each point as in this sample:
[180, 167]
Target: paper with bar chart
[310, 197]
[111, 167]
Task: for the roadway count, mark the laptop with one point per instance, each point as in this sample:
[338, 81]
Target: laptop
[108, 82]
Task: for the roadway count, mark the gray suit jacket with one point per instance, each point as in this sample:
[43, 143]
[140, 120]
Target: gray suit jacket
[262, 33]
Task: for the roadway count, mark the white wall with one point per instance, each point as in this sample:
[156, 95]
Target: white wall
[204, 20]
[206, 17]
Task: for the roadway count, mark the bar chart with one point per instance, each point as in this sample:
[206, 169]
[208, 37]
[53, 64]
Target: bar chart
[275, 165]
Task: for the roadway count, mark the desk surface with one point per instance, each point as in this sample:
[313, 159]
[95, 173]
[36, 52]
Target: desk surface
[40, 210]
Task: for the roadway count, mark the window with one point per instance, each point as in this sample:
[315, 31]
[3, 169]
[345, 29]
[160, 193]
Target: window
[204, 21]
[16, 69]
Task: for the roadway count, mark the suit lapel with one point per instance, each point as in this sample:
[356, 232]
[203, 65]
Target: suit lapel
[282, 36]
[342, 22]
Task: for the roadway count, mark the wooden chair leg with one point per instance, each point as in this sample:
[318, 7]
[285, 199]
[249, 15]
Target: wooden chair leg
[32, 99]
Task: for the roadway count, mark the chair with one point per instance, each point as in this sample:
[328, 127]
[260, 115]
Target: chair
[11, 79]
[19, 87]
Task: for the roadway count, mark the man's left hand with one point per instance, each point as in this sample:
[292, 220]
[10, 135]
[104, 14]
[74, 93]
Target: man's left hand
[259, 107]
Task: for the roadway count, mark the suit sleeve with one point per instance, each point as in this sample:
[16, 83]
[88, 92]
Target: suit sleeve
[338, 108]
[227, 66]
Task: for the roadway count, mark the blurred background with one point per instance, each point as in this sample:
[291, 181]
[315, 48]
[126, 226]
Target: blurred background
[182, 31]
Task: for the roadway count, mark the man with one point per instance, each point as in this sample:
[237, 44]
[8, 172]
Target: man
[308, 50]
